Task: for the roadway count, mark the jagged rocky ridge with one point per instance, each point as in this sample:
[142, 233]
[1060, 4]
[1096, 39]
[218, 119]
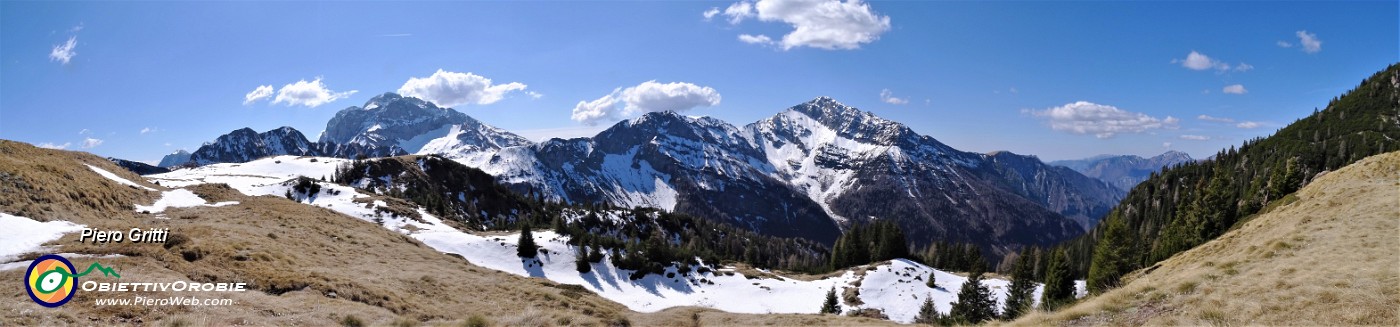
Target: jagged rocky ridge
[801, 173]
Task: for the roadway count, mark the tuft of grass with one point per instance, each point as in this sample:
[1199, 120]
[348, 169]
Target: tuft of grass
[351, 321]
[476, 320]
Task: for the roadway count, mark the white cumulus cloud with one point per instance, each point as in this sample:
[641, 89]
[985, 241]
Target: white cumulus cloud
[1199, 61]
[451, 89]
[1248, 124]
[64, 52]
[822, 24]
[310, 94]
[1309, 41]
[888, 97]
[1234, 89]
[258, 94]
[1103, 121]
[145, 130]
[649, 96]
[89, 143]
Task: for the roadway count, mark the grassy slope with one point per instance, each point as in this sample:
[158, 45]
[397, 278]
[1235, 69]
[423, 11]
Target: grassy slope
[1327, 256]
[307, 265]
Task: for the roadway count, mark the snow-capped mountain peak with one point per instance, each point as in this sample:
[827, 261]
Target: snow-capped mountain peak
[853, 123]
[391, 124]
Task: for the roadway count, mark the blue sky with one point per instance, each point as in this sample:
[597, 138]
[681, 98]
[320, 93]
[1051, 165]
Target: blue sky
[1059, 80]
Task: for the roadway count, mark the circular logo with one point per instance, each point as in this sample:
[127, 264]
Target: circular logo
[50, 281]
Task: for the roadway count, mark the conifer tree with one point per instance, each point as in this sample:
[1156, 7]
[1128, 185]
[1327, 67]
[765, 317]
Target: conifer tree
[527, 248]
[975, 302]
[930, 280]
[830, 306]
[581, 260]
[1020, 294]
[1114, 256]
[928, 314]
[1059, 285]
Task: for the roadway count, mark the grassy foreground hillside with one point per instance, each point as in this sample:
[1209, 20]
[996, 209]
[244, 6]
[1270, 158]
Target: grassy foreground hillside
[1326, 255]
[304, 265]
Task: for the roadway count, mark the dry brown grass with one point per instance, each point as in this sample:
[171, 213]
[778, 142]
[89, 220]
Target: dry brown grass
[306, 266]
[692, 316]
[1332, 257]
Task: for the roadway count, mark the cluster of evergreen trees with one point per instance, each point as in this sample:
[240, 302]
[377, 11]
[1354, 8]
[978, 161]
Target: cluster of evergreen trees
[953, 256]
[1192, 203]
[647, 240]
[866, 243]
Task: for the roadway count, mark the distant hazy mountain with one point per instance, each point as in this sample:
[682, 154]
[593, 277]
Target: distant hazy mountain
[1124, 171]
[140, 168]
[175, 159]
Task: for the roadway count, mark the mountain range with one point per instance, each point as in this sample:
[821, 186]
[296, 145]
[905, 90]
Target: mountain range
[1124, 171]
[808, 171]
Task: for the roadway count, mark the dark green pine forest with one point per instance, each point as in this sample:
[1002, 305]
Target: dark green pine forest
[1192, 203]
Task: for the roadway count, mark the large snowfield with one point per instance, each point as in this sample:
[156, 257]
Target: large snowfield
[896, 287]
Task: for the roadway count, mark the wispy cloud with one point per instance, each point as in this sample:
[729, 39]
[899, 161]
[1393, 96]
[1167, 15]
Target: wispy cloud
[65, 52]
[1199, 61]
[259, 93]
[1309, 41]
[1234, 89]
[1215, 119]
[48, 145]
[1194, 137]
[1248, 124]
[755, 39]
[888, 97]
[89, 143]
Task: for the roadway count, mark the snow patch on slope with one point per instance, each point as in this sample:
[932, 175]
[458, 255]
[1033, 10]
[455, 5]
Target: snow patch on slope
[890, 287]
[22, 235]
[180, 198]
[115, 178]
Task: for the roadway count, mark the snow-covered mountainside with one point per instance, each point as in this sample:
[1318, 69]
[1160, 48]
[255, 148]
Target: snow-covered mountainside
[390, 124]
[800, 173]
[244, 145]
[698, 166]
[860, 166]
[174, 159]
[1125, 171]
[796, 172]
[896, 288]
[387, 125]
